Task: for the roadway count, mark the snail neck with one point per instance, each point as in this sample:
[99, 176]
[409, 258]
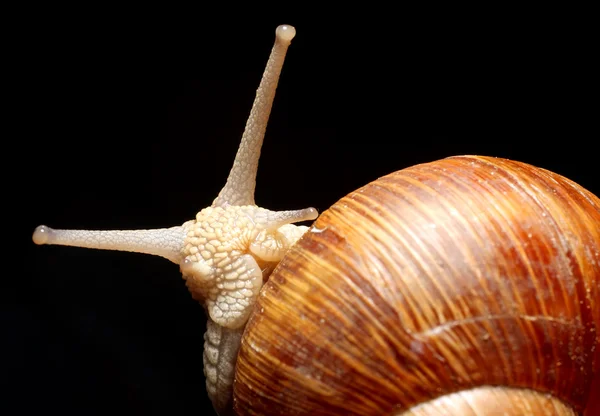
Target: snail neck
[221, 346]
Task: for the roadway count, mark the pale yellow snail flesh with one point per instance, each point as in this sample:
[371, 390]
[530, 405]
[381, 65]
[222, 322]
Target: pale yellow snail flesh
[228, 250]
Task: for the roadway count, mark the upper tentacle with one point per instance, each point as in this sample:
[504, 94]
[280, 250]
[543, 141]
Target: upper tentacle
[241, 182]
[164, 242]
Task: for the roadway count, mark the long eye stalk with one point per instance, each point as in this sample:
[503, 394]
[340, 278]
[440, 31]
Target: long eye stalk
[241, 182]
[164, 242]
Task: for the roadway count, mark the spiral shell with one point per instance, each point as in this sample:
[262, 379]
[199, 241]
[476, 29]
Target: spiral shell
[470, 278]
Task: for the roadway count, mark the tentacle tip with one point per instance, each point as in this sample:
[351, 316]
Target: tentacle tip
[41, 235]
[311, 213]
[285, 32]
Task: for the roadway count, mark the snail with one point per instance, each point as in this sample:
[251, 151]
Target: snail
[469, 283]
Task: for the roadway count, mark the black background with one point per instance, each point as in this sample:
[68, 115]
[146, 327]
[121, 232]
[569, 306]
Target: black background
[133, 122]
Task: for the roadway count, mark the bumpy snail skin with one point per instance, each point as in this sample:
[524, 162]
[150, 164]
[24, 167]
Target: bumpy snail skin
[221, 251]
[227, 252]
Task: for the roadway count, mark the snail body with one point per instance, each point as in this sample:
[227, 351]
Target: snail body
[226, 252]
[469, 282]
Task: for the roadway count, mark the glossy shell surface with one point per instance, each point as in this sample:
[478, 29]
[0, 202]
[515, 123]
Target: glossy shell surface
[436, 279]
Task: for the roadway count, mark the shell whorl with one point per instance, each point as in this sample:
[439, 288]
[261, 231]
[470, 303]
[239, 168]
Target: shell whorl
[436, 279]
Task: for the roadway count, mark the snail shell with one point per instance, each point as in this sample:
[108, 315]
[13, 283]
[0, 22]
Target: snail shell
[464, 285]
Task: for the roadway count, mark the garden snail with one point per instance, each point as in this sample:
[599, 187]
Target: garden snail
[431, 209]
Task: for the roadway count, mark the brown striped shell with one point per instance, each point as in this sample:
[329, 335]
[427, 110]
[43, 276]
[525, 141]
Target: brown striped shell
[464, 286]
